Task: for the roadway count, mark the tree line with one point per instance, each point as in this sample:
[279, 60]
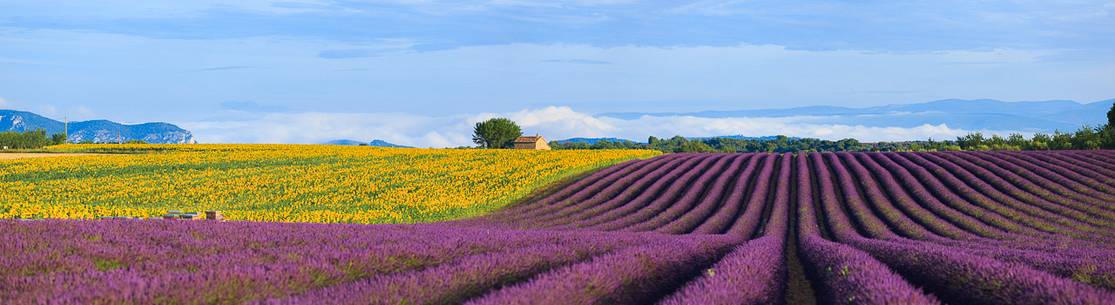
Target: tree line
[30, 139]
[36, 139]
[1084, 138]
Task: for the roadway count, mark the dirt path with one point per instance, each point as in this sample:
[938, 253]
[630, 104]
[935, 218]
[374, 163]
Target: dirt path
[12, 156]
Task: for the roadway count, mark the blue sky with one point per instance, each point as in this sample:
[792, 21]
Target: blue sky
[205, 63]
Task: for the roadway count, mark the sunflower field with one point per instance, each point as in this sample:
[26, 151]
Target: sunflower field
[285, 183]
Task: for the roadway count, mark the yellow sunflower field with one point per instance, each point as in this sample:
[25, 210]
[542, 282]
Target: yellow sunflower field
[288, 183]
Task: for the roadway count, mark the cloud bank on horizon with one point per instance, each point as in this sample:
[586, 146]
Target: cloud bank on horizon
[554, 122]
[433, 62]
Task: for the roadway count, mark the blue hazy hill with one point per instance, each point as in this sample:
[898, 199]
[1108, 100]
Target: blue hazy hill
[375, 143]
[98, 131]
[382, 143]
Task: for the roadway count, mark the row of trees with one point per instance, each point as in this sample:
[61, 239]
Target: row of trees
[30, 139]
[1084, 138]
[682, 144]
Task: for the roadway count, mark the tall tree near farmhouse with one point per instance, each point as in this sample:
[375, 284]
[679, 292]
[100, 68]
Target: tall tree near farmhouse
[1111, 115]
[1109, 130]
[496, 133]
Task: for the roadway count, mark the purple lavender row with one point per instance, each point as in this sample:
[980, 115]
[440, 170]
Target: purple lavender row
[934, 218]
[1101, 194]
[1096, 269]
[959, 277]
[1084, 178]
[845, 275]
[472, 276]
[639, 275]
[936, 181]
[589, 189]
[686, 190]
[752, 215]
[753, 273]
[1064, 181]
[1103, 218]
[897, 177]
[664, 186]
[569, 192]
[591, 193]
[1005, 193]
[875, 227]
[1052, 183]
[1103, 173]
[849, 276]
[709, 187]
[157, 262]
[861, 213]
[1096, 158]
[899, 201]
[1036, 214]
[1088, 266]
[936, 267]
[969, 186]
[52, 255]
[719, 207]
[642, 188]
[729, 213]
[778, 224]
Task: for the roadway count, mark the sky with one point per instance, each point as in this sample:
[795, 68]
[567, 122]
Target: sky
[420, 72]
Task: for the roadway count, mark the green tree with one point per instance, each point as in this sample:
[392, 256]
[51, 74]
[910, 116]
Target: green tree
[58, 138]
[1060, 141]
[1040, 141]
[24, 140]
[1109, 137]
[496, 133]
[1111, 115]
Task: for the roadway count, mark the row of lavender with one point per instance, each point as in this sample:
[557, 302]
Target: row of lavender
[870, 228]
[1018, 227]
[156, 262]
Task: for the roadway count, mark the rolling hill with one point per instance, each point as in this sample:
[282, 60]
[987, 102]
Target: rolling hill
[97, 131]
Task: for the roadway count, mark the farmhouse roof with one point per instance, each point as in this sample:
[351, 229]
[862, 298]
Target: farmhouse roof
[527, 139]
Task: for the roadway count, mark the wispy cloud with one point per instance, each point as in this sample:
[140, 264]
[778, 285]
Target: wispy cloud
[379, 48]
[553, 122]
[223, 68]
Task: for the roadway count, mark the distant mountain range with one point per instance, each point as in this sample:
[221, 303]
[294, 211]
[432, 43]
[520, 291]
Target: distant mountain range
[97, 131]
[983, 114]
[591, 141]
[376, 143]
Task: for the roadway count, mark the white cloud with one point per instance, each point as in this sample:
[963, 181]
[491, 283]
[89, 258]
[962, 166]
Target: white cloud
[552, 122]
[3, 102]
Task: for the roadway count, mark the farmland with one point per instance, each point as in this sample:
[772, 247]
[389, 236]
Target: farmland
[288, 183]
[839, 228]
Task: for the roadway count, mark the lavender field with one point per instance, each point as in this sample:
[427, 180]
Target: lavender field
[825, 228]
